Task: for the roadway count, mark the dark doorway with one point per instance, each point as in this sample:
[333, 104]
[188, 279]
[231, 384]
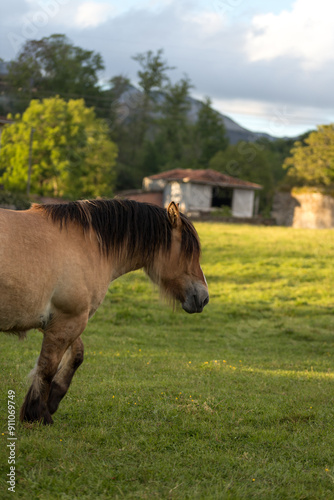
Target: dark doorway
[222, 197]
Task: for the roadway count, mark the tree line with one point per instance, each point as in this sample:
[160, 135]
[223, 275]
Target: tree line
[89, 140]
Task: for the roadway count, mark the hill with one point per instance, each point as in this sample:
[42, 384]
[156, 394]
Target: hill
[235, 132]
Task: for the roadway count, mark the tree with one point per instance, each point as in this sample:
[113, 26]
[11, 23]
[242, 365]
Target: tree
[72, 155]
[53, 65]
[136, 134]
[210, 133]
[118, 107]
[312, 163]
[174, 137]
[277, 151]
[153, 73]
[151, 79]
[249, 162]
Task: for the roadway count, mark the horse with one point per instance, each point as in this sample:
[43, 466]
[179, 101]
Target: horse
[57, 262]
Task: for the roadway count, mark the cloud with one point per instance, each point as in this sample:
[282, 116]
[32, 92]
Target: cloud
[91, 14]
[207, 23]
[305, 32]
[250, 65]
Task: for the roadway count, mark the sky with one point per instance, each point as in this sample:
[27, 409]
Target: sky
[269, 65]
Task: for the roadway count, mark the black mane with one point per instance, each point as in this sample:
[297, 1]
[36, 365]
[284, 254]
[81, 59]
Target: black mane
[137, 228]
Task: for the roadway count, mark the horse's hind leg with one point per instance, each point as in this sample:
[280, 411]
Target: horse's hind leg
[70, 362]
[56, 341]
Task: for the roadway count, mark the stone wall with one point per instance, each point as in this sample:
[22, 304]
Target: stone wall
[304, 210]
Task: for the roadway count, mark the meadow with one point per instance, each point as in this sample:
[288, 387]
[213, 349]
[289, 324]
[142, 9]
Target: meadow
[234, 403]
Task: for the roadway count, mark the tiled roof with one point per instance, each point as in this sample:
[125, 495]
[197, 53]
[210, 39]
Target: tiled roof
[204, 176]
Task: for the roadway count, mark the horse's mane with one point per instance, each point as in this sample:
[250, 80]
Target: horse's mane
[125, 225]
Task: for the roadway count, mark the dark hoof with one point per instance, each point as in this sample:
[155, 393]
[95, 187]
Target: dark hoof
[35, 410]
[27, 416]
[47, 419]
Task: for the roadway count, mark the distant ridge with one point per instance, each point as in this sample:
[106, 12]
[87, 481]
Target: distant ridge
[234, 131]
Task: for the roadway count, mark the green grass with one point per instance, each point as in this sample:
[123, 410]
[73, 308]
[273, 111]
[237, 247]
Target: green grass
[235, 403]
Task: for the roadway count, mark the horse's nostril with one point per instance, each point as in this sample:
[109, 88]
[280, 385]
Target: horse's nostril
[206, 300]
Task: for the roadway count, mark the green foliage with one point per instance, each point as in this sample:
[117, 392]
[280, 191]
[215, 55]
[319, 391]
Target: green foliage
[153, 72]
[250, 162]
[210, 133]
[276, 151]
[153, 128]
[18, 200]
[223, 211]
[134, 134]
[243, 160]
[312, 161]
[158, 134]
[260, 162]
[72, 155]
[118, 86]
[54, 65]
[234, 403]
[174, 131]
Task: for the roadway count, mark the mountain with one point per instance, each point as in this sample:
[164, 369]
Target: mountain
[235, 133]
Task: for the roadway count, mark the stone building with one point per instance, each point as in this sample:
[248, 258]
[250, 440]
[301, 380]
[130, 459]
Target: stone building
[203, 191]
[309, 209]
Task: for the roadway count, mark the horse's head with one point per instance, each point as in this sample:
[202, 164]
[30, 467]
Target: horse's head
[178, 271]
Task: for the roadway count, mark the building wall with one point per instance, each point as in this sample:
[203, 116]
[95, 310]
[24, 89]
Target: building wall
[153, 184]
[177, 192]
[283, 209]
[190, 196]
[243, 203]
[304, 210]
[200, 197]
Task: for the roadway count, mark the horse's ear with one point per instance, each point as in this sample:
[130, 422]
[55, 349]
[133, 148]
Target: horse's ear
[173, 214]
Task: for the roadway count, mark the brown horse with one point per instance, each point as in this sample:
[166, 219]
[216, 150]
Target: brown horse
[56, 265]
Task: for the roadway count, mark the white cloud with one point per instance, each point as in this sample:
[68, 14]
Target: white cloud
[91, 14]
[277, 119]
[306, 32]
[155, 4]
[206, 23]
[281, 81]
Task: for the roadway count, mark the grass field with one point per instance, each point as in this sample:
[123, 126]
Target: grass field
[235, 403]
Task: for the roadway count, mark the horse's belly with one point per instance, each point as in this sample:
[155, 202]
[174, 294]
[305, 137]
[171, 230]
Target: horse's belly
[16, 317]
[20, 308]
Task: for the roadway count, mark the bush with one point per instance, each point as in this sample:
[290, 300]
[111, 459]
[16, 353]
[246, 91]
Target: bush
[20, 201]
[223, 211]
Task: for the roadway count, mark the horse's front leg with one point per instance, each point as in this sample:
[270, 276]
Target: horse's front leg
[70, 362]
[56, 340]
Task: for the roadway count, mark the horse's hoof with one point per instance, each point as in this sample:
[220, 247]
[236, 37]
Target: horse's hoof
[35, 410]
[47, 419]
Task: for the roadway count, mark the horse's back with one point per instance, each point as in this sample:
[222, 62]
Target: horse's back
[21, 241]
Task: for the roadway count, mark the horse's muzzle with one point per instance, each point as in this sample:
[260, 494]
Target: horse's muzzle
[197, 298]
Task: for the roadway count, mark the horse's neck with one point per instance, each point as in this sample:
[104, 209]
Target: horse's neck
[123, 265]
